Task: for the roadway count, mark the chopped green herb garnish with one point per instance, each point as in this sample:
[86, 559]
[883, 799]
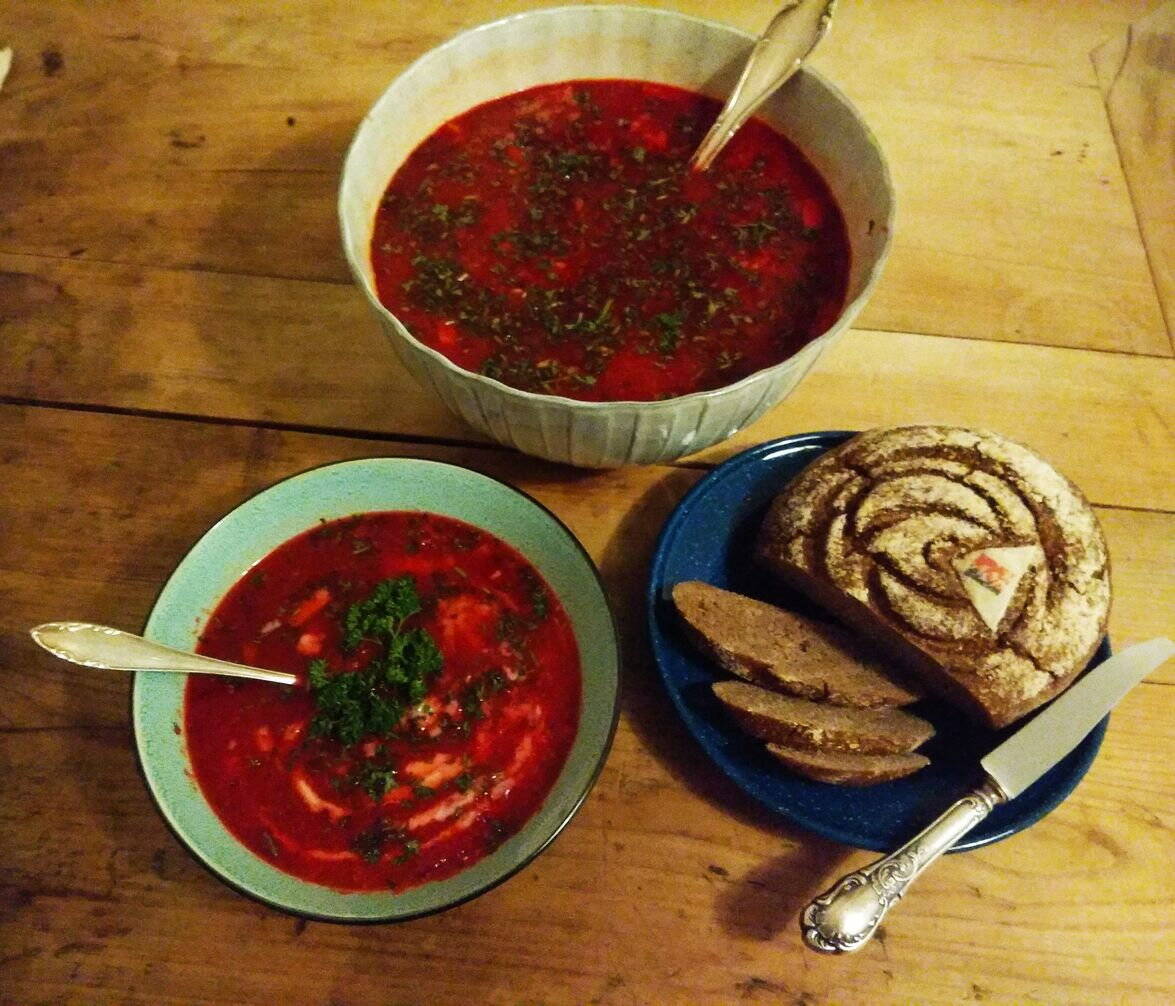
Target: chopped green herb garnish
[568, 164]
[382, 613]
[669, 335]
[475, 693]
[538, 600]
[471, 703]
[753, 235]
[356, 704]
[370, 844]
[411, 848]
[374, 778]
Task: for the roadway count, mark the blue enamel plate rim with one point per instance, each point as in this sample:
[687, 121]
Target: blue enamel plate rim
[670, 648]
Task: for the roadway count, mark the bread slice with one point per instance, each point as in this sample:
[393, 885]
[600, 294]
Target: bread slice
[819, 726]
[784, 651]
[961, 554]
[848, 769]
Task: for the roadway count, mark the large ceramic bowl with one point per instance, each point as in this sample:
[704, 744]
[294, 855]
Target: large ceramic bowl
[546, 46]
[252, 531]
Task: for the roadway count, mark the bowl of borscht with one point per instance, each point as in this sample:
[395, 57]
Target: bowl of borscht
[518, 209]
[457, 667]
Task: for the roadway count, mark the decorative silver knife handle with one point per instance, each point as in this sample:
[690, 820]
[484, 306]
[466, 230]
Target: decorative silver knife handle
[844, 917]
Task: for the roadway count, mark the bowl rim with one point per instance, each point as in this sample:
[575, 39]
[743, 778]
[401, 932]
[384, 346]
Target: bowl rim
[576, 803]
[847, 313]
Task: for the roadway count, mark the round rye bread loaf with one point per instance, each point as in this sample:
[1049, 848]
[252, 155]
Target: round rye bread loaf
[962, 554]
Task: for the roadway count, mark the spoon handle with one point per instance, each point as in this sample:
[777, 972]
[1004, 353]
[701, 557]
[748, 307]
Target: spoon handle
[113, 649]
[784, 45]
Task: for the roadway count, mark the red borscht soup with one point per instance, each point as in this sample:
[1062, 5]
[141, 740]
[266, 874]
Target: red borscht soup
[556, 240]
[441, 698]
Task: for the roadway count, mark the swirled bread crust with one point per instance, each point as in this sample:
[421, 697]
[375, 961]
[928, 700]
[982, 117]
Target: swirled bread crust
[965, 555]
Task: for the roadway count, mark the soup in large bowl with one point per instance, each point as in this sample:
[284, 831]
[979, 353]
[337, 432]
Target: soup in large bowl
[518, 210]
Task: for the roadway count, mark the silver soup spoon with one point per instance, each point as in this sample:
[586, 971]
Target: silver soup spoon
[788, 40]
[115, 650]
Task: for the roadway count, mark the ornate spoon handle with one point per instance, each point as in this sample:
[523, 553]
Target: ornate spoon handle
[113, 649]
[844, 917]
[792, 34]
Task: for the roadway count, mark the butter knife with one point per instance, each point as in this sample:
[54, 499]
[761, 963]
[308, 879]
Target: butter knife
[844, 917]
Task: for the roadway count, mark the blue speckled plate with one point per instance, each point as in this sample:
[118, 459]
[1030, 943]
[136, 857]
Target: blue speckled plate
[709, 537]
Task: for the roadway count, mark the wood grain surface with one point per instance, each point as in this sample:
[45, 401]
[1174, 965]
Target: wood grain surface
[670, 886]
[177, 330]
[1136, 73]
[1015, 222]
[249, 348]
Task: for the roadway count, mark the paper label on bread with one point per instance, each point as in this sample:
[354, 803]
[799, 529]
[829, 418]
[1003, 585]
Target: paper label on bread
[990, 577]
[888, 532]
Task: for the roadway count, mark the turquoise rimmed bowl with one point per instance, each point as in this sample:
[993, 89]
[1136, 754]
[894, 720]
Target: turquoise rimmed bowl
[249, 533]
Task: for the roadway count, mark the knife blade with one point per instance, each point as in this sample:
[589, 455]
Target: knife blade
[1064, 723]
[845, 916]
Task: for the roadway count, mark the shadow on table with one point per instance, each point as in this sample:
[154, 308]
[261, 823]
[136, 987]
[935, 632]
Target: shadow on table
[129, 853]
[766, 900]
[285, 335]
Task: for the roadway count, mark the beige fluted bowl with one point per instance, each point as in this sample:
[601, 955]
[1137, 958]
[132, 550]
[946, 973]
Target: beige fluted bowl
[566, 43]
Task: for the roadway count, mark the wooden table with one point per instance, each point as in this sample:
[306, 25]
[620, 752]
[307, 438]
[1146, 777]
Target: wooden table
[177, 330]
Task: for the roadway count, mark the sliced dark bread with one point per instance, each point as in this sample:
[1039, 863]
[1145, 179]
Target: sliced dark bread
[848, 769]
[819, 726]
[785, 651]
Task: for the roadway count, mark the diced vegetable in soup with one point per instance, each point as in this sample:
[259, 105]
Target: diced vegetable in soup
[556, 240]
[441, 698]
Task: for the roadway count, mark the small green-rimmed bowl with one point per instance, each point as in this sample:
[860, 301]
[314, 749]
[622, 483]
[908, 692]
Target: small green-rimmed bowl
[253, 530]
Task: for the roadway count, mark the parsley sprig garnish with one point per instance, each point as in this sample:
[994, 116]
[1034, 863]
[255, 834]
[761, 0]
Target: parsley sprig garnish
[374, 779]
[352, 705]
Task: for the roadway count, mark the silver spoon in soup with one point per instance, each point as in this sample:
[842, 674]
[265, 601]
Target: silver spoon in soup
[112, 649]
[779, 52]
